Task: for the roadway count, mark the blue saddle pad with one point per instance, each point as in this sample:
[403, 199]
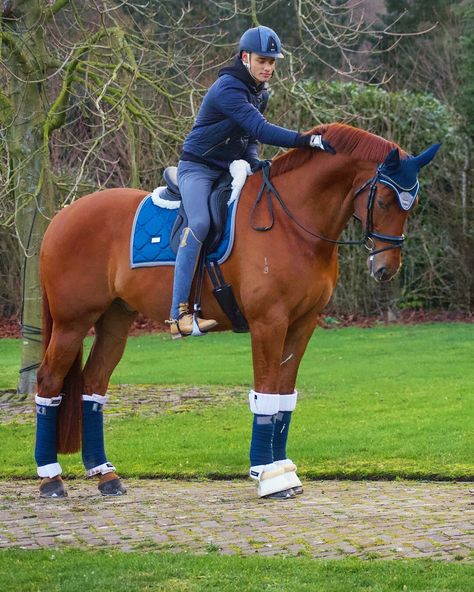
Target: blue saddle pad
[149, 241]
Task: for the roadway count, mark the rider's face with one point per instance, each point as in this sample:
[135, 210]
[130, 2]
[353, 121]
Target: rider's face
[261, 67]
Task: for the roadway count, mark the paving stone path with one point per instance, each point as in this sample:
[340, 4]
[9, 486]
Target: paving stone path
[333, 519]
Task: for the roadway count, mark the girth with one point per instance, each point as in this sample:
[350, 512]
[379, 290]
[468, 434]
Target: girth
[217, 204]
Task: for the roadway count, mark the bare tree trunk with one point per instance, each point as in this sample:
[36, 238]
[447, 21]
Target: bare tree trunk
[30, 179]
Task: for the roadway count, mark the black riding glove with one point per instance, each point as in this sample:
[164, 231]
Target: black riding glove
[315, 141]
[256, 165]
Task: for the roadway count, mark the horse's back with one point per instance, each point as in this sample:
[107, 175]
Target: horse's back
[94, 213]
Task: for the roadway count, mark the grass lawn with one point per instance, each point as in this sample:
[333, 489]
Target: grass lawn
[76, 571]
[385, 402]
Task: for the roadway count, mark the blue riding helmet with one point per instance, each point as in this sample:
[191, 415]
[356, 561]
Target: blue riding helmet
[262, 41]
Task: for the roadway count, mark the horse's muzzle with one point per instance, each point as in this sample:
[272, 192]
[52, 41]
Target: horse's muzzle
[383, 270]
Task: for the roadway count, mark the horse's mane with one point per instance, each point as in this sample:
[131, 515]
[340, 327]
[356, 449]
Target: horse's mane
[345, 139]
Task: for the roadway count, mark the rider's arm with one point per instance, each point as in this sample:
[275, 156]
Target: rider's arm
[232, 100]
[251, 153]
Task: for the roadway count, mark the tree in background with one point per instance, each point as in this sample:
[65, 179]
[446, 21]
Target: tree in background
[441, 62]
[100, 94]
[82, 89]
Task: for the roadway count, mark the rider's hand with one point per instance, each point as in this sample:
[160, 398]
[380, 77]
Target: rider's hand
[315, 141]
[256, 165]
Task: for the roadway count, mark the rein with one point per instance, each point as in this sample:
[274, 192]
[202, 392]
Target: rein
[396, 242]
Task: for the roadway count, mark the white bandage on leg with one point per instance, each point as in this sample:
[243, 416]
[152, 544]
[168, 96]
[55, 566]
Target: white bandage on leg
[101, 469]
[51, 470]
[48, 402]
[270, 478]
[292, 479]
[96, 398]
[263, 403]
[288, 402]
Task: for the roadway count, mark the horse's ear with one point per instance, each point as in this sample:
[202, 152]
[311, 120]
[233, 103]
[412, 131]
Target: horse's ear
[427, 156]
[392, 162]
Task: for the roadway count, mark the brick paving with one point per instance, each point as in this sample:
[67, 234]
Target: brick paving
[333, 519]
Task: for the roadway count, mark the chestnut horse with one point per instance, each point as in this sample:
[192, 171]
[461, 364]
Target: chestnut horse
[282, 279]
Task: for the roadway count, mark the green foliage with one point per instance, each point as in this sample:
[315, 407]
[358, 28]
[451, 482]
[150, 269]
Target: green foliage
[75, 570]
[437, 270]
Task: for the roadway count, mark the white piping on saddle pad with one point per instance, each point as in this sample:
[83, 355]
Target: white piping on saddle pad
[239, 169]
[163, 203]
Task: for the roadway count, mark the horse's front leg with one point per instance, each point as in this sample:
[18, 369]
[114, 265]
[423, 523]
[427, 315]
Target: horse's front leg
[268, 337]
[297, 338]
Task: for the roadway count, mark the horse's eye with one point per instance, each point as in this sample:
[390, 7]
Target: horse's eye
[382, 204]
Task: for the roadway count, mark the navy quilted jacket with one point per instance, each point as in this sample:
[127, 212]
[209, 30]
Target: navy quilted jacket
[230, 121]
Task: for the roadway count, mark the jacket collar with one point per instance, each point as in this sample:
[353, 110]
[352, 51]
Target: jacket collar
[238, 70]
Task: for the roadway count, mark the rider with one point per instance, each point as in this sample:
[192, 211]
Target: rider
[227, 128]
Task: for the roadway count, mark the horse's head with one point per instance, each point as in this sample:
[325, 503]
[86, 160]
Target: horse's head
[391, 194]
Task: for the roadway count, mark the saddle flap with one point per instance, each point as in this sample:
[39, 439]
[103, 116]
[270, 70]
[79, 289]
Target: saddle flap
[218, 210]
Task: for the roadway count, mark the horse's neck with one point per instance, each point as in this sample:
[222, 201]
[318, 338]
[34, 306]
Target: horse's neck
[320, 194]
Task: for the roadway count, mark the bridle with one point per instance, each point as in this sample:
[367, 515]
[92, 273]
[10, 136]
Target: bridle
[394, 241]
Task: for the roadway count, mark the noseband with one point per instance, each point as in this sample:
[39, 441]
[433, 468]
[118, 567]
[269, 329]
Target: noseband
[395, 242]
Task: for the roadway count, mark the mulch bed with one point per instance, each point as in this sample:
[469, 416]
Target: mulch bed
[10, 327]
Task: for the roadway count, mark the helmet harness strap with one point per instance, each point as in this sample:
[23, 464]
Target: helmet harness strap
[248, 66]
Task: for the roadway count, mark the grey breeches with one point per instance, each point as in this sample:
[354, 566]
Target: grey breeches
[195, 182]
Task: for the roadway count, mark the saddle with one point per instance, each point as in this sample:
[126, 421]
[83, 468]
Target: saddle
[217, 204]
[218, 209]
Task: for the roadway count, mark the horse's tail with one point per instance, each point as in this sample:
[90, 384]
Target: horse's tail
[70, 411]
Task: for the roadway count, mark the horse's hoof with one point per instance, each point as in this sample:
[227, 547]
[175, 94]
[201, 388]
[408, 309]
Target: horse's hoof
[281, 495]
[52, 488]
[112, 487]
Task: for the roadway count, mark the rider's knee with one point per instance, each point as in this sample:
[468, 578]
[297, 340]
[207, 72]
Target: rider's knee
[200, 229]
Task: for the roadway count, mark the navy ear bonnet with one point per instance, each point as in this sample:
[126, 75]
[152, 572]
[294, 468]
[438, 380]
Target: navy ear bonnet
[402, 175]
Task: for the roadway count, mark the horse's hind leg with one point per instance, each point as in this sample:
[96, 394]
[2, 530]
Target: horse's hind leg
[297, 337]
[58, 417]
[107, 350]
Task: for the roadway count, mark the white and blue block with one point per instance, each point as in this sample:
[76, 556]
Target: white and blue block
[93, 447]
[46, 455]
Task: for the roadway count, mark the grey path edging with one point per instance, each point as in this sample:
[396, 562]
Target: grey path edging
[333, 519]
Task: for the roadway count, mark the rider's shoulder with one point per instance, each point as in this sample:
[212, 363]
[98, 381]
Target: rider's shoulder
[227, 81]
